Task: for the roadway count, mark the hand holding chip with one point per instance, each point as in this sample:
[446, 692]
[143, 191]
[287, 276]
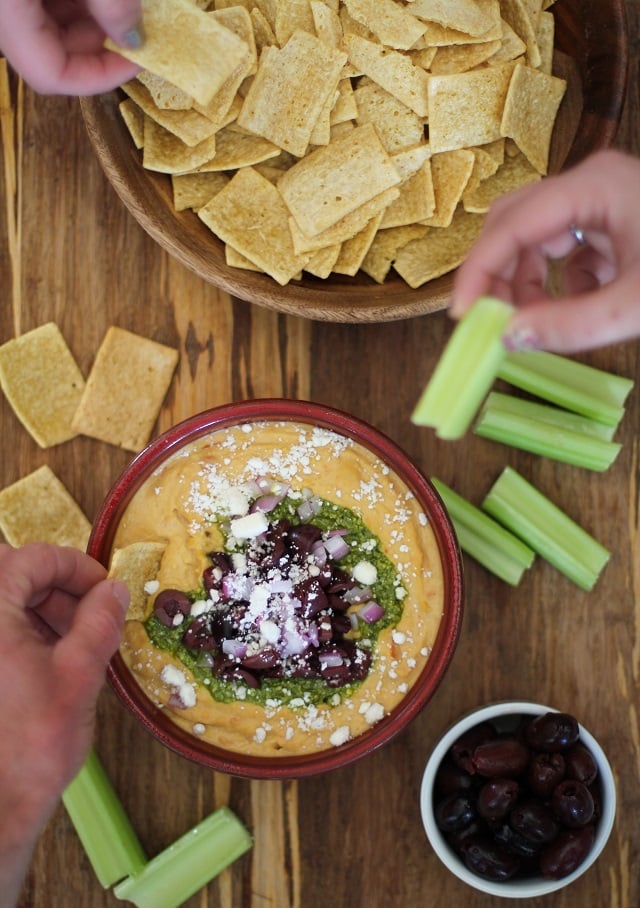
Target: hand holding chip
[58, 46]
[61, 622]
[524, 231]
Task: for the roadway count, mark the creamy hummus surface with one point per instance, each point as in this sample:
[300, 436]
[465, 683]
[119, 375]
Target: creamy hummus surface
[202, 488]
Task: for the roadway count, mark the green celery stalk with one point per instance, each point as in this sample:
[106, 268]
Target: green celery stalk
[484, 539]
[546, 528]
[591, 392]
[102, 825]
[466, 369]
[518, 425]
[183, 868]
[554, 416]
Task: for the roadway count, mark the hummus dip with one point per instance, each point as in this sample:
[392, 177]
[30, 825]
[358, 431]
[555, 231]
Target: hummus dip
[223, 494]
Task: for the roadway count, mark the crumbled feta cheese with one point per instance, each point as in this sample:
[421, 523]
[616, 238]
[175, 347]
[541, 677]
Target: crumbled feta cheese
[340, 736]
[250, 526]
[374, 713]
[365, 572]
[151, 587]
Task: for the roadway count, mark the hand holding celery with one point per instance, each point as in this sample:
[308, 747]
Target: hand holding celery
[116, 854]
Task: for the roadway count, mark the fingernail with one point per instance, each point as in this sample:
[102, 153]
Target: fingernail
[520, 339]
[134, 39]
[121, 592]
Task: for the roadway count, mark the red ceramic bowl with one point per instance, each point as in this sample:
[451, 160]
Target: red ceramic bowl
[155, 720]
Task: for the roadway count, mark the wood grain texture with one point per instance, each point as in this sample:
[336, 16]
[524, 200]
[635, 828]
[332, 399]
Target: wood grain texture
[353, 838]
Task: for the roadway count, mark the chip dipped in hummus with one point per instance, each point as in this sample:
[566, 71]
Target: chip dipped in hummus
[292, 592]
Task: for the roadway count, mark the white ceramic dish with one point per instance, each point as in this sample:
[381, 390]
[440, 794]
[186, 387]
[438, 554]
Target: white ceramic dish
[529, 887]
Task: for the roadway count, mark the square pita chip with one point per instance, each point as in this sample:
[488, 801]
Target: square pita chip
[334, 180]
[186, 46]
[290, 90]
[438, 251]
[39, 508]
[465, 109]
[137, 565]
[125, 389]
[530, 112]
[250, 215]
[43, 383]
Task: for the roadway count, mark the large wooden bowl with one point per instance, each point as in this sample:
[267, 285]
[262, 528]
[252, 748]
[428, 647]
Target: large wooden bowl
[591, 53]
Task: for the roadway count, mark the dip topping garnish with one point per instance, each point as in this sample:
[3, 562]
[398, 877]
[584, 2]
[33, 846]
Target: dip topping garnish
[292, 597]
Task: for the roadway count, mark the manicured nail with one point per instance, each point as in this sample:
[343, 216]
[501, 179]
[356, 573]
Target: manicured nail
[520, 339]
[121, 592]
[134, 39]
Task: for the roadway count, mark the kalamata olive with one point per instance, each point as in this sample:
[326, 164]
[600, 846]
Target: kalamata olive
[198, 635]
[169, 604]
[572, 803]
[264, 658]
[544, 772]
[581, 764]
[454, 811]
[490, 860]
[462, 749]
[535, 821]
[450, 778]
[496, 798]
[515, 842]
[552, 732]
[500, 757]
[460, 839]
[566, 852]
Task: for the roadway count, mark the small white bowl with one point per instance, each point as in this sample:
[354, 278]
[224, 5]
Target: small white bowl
[528, 887]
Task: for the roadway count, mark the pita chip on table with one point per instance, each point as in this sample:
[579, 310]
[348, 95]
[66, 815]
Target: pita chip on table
[43, 383]
[39, 508]
[125, 389]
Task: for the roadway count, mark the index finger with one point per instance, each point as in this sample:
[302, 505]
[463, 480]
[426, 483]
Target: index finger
[30, 572]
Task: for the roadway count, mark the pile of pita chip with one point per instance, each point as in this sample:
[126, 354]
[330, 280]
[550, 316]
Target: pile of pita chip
[336, 136]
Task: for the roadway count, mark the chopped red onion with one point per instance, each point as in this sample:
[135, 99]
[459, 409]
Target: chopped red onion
[330, 660]
[357, 594]
[309, 508]
[265, 503]
[371, 612]
[319, 554]
[336, 547]
[234, 648]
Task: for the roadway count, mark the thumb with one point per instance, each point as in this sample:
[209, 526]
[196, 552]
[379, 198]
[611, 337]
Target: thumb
[582, 322]
[92, 639]
[120, 20]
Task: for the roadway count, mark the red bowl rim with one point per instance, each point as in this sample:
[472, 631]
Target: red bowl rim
[274, 410]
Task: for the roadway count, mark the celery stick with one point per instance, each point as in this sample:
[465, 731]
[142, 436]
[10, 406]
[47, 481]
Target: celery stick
[546, 528]
[102, 825]
[546, 413]
[516, 427]
[183, 868]
[466, 370]
[591, 392]
[485, 540]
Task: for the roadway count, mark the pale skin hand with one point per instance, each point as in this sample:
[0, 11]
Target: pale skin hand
[61, 623]
[57, 45]
[601, 300]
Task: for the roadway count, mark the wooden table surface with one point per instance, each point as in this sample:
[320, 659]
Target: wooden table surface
[353, 837]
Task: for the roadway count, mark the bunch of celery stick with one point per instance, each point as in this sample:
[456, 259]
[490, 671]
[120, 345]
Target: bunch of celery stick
[574, 420]
[118, 859]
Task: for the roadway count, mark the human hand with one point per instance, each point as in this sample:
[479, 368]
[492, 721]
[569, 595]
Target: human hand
[57, 45]
[526, 229]
[61, 623]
